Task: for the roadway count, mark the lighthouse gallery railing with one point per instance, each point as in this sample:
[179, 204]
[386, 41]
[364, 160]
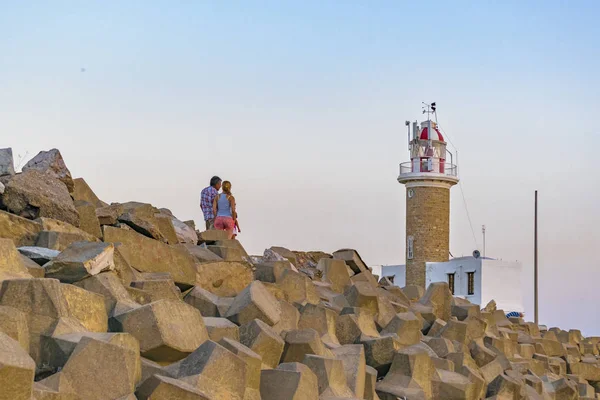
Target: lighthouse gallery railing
[443, 168]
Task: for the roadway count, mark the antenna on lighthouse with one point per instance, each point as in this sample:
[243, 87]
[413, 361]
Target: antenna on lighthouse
[407, 123]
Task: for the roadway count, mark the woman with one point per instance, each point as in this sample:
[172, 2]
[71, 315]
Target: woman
[224, 210]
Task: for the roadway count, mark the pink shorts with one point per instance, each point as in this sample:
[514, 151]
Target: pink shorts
[224, 224]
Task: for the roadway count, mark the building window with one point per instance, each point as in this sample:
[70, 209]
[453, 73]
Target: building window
[409, 247]
[471, 283]
[451, 283]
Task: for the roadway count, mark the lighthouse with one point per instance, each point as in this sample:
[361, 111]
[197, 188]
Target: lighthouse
[428, 177]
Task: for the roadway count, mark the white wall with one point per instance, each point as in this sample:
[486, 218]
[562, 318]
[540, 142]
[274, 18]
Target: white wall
[501, 281]
[438, 272]
[398, 271]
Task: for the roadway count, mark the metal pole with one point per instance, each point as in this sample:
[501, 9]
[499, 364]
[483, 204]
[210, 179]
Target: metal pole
[483, 231]
[535, 261]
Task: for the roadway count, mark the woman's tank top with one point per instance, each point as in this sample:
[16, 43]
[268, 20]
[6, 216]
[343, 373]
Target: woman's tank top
[223, 206]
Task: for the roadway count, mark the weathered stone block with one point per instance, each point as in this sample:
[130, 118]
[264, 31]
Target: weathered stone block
[255, 302]
[33, 194]
[290, 381]
[88, 220]
[52, 164]
[224, 278]
[81, 260]
[299, 343]
[17, 370]
[330, 374]
[264, 341]
[219, 328]
[167, 330]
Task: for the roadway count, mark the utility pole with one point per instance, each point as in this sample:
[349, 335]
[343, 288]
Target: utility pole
[483, 231]
[535, 261]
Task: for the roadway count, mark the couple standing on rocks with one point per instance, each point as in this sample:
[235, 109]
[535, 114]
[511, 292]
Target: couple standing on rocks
[219, 208]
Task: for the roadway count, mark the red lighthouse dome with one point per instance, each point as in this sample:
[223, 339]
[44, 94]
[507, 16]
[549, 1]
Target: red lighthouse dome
[436, 135]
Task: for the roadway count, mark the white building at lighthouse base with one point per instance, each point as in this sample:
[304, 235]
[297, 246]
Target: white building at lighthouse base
[478, 280]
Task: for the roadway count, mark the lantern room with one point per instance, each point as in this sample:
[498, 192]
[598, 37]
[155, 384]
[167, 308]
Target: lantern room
[427, 148]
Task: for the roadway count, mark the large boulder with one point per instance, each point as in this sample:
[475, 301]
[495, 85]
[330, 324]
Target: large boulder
[290, 381]
[253, 366]
[214, 370]
[33, 194]
[83, 192]
[219, 328]
[98, 370]
[184, 233]
[352, 259]
[88, 220]
[331, 376]
[7, 166]
[111, 288]
[167, 330]
[148, 255]
[147, 220]
[40, 255]
[224, 278]
[439, 297]
[353, 358]
[22, 231]
[11, 265]
[255, 302]
[81, 260]
[14, 324]
[335, 272]
[17, 370]
[299, 343]
[264, 341]
[162, 387]
[51, 163]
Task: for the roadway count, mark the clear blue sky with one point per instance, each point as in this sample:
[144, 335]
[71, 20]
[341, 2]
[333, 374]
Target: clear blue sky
[302, 106]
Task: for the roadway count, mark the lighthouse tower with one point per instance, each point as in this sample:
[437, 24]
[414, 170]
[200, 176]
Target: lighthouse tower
[428, 177]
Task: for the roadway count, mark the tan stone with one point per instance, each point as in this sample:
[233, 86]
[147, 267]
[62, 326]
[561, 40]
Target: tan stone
[379, 352]
[109, 215]
[264, 341]
[370, 384]
[219, 328]
[285, 253]
[290, 317]
[88, 220]
[33, 194]
[321, 319]
[13, 323]
[81, 260]
[204, 301]
[253, 366]
[212, 236]
[110, 287]
[335, 272]
[92, 364]
[86, 307]
[167, 330]
[586, 371]
[58, 347]
[214, 370]
[227, 253]
[413, 292]
[162, 387]
[254, 302]
[298, 288]
[224, 278]
[158, 289]
[330, 374]
[21, 231]
[148, 255]
[414, 363]
[453, 386]
[290, 381]
[354, 361]
[201, 253]
[32, 268]
[441, 346]
[83, 192]
[11, 266]
[53, 165]
[352, 259]
[407, 326]
[17, 370]
[438, 296]
[299, 343]
[271, 271]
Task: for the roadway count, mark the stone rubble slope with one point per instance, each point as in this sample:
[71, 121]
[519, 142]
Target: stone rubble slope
[124, 301]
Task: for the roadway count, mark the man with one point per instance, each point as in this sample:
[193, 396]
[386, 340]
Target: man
[207, 196]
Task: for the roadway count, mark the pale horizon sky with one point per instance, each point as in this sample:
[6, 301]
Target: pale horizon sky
[302, 107]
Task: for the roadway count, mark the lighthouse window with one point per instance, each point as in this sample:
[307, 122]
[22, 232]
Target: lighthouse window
[409, 248]
[471, 283]
[451, 282]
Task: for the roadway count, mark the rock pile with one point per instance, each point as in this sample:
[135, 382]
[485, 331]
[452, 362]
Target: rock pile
[124, 301]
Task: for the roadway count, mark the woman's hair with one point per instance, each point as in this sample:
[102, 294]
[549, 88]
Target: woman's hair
[227, 187]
